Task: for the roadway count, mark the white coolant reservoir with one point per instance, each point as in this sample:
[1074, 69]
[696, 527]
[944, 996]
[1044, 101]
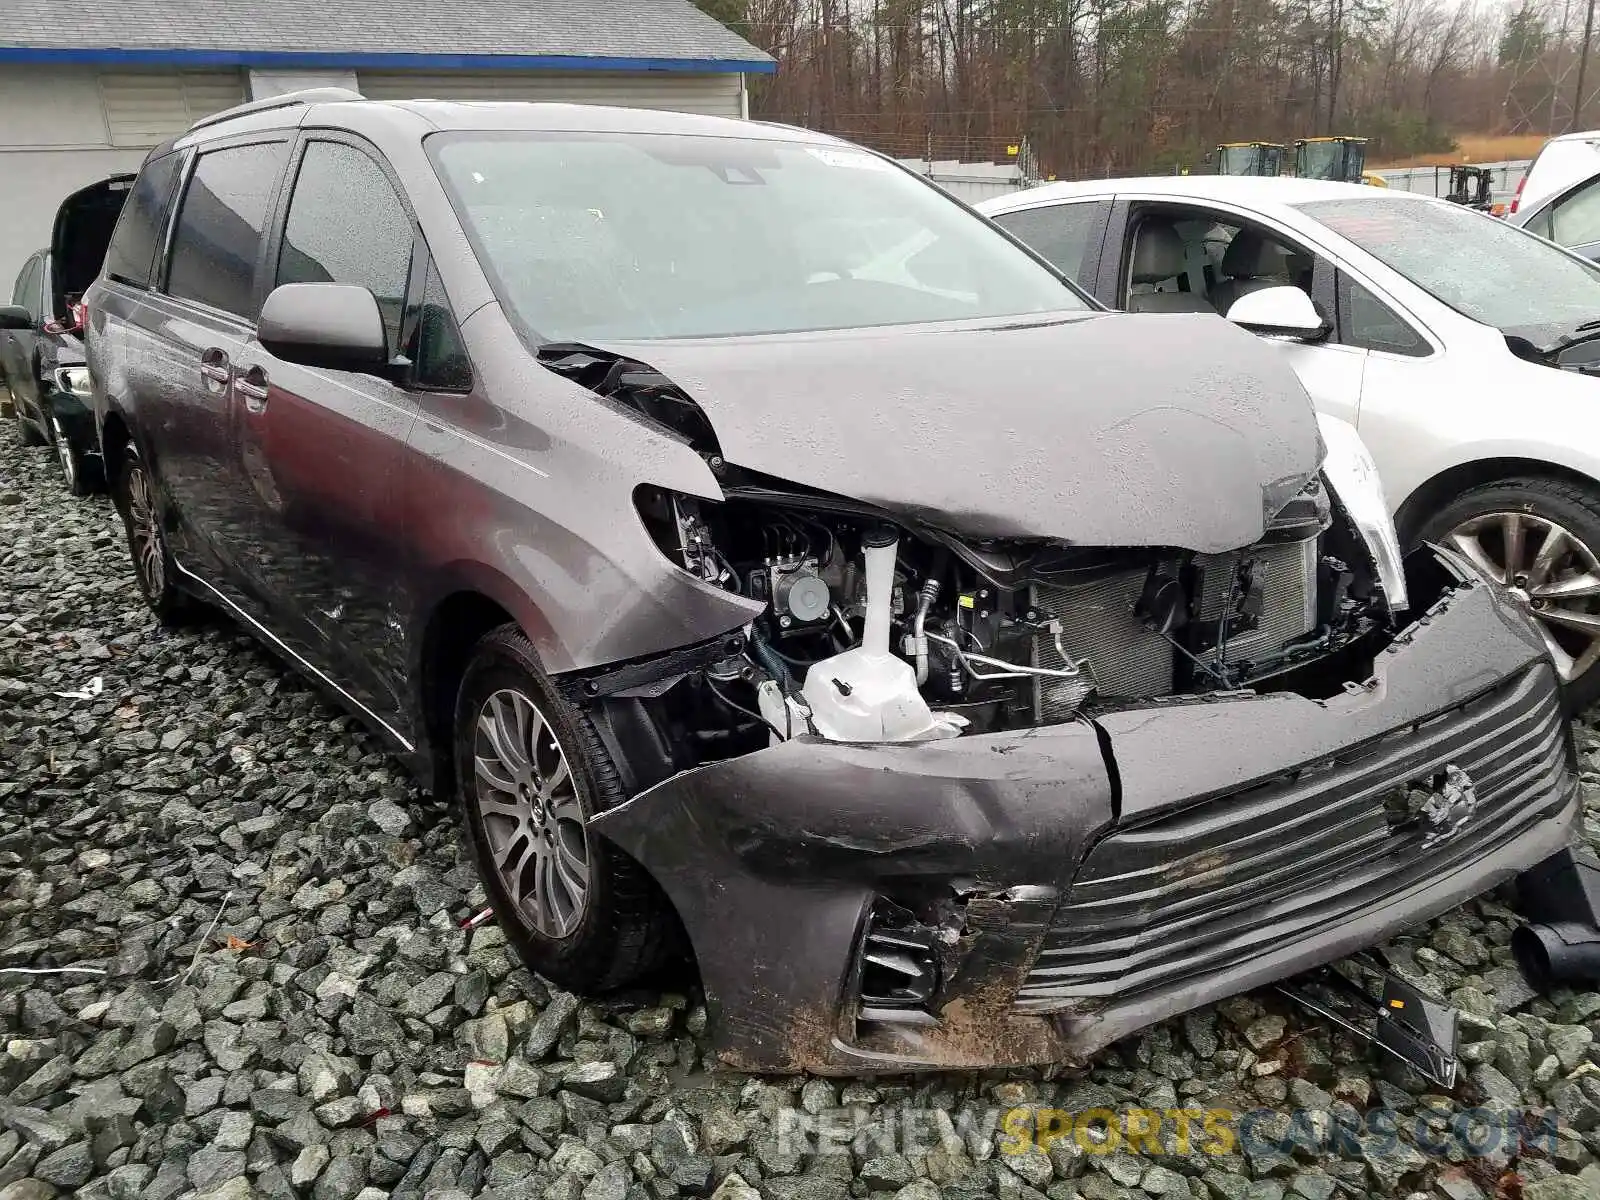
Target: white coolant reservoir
[867, 694]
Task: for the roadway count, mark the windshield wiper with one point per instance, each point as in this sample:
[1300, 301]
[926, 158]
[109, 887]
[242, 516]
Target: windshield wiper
[1587, 332]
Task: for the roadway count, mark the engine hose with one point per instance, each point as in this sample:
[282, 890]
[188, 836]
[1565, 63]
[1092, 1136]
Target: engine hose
[775, 666]
[925, 602]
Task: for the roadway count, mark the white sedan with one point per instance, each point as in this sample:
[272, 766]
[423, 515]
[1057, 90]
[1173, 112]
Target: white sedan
[1459, 346]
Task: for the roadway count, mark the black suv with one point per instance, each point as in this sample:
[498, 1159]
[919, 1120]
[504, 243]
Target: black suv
[42, 371]
[786, 565]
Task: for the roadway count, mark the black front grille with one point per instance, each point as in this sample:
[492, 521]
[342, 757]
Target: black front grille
[1214, 884]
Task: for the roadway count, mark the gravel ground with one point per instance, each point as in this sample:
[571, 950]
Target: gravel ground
[287, 1006]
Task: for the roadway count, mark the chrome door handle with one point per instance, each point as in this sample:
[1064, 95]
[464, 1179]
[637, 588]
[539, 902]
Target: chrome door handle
[252, 388]
[214, 367]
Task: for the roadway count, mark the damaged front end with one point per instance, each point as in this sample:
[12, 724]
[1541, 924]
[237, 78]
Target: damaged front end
[960, 801]
[1032, 895]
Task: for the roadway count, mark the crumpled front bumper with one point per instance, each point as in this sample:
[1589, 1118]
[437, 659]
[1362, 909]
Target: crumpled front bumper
[1081, 881]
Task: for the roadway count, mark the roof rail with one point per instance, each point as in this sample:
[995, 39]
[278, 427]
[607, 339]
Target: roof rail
[322, 95]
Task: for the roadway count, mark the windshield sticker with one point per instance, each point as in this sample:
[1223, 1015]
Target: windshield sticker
[848, 159]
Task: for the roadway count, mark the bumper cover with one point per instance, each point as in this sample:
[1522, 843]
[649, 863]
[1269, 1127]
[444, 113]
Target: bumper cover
[1082, 881]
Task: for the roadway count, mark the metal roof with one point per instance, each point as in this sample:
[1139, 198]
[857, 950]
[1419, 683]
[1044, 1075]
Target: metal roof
[615, 35]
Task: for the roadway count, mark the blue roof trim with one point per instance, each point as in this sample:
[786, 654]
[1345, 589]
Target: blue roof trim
[315, 60]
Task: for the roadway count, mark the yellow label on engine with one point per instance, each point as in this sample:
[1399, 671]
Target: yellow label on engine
[969, 602]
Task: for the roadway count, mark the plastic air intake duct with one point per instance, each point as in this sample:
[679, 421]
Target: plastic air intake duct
[1565, 953]
[1561, 899]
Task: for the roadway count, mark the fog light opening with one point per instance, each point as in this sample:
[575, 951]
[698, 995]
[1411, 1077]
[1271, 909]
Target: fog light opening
[897, 967]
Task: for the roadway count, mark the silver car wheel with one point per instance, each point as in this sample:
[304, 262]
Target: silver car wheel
[64, 455]
[148, 560]
[532, 820]
[1549, 572]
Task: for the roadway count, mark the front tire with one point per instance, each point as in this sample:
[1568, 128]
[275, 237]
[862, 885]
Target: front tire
[1540, 538]
[531, 773]
[81, 472]
[153, 566]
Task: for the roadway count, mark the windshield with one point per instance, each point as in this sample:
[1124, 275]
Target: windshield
[1251, 160]
[1490, 271]
[589, 236]
[1337, 161]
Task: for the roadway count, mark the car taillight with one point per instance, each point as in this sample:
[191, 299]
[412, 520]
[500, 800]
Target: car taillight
[1517, 198]
[77, 321]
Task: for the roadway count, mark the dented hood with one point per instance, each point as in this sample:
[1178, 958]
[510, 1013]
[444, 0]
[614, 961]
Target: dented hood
[1104, 429]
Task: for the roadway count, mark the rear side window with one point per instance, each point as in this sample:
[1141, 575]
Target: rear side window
[1063, 233]
[346, 225]
[131, 256]
[217, 241]
[26, 292]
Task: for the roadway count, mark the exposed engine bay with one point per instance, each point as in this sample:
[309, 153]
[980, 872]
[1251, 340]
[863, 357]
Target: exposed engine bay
[874, 631]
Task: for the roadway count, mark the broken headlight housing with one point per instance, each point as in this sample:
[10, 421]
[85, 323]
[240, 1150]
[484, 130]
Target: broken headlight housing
[73, 380]
[1353, 477]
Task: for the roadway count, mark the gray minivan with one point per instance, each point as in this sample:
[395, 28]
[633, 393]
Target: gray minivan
[789, 570]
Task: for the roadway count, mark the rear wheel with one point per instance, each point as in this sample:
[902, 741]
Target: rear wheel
[27, 432]
[137, 500]
[1540, 539]
[532, 773]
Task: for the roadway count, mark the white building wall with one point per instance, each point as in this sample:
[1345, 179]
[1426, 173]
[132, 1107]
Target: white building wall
[53, 140]
[719, 95]
[264, 84]
[64, 127]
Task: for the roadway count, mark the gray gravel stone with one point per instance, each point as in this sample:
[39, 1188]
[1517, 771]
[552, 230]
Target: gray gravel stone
[341, 1179]
[235, 1131]
[209, 1167]
[308, 1164]
[549, 1026]
[810, 1187]
[68, 1167]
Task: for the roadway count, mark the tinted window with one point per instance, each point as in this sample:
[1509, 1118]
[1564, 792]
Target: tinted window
[1490, 271]
[218, 238]
[436, 347]
[137, 239]
[1575, 221]
[597, 235]
[1061, 232]
[33, 294]
[1369, 323]
[26, 292]
[346, 225]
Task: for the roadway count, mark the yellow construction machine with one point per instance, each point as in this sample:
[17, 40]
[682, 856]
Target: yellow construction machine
[1250, 158]
[1341, 159]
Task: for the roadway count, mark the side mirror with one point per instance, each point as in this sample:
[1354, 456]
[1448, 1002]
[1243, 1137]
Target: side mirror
[336, 326]
[1279, 312]
[15, 317]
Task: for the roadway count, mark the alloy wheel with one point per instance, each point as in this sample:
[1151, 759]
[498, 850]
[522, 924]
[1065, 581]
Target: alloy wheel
[145, 532]
[64, 455]
[1549, 572]
[532, 819]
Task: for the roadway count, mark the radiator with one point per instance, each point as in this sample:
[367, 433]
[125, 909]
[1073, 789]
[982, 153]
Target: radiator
[1129, 662]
